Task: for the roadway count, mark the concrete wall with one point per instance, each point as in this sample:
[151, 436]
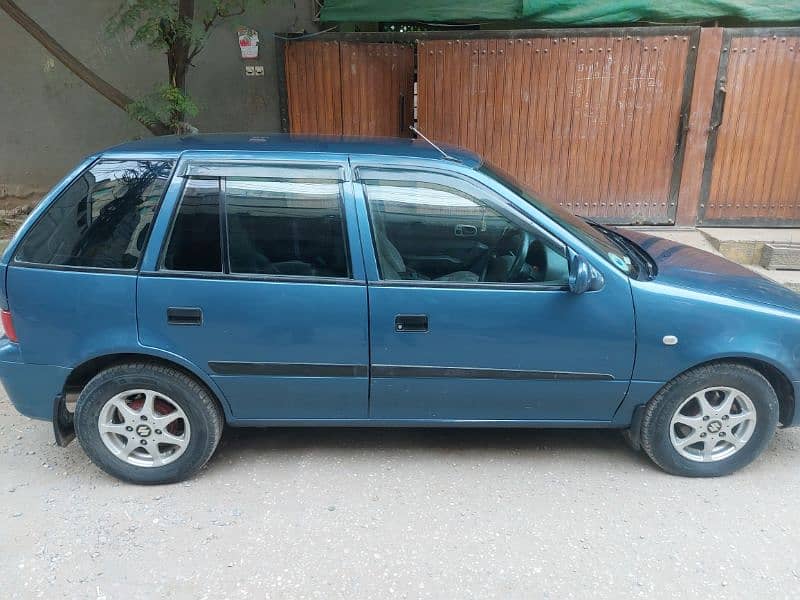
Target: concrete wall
[49, 118]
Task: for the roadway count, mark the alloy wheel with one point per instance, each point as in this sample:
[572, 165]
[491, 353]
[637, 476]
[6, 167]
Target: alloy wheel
[713, 424]
[144, 428]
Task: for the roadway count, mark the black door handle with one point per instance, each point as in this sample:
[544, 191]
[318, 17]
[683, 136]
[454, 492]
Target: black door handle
[180, 315]
[466, 230]
[411, 323]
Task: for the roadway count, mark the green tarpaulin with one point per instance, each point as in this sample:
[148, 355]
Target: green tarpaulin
[564, 13]
[420, 10]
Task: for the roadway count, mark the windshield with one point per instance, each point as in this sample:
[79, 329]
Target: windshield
[593, 237]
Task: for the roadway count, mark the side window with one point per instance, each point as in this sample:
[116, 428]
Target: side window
[195, 243]
[282, 226]
[102, 219]
[440, 229]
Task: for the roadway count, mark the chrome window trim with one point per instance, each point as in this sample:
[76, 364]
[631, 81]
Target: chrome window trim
[259, 169]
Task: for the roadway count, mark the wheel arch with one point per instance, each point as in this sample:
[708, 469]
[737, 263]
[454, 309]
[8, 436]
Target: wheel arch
[779, 381]
[85, 371]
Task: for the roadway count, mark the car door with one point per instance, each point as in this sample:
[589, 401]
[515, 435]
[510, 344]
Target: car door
[481, 344]
[260, 283]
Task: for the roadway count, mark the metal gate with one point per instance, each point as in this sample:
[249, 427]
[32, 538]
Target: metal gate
[348, 88]
[752, 170]
[592, 119]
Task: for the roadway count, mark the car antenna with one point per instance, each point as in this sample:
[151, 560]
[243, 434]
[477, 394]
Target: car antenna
[442, 152]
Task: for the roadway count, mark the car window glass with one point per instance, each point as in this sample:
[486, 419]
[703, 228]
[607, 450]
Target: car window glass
[435, 231]
[195, 244]
[576, 225]
[102, 219]
[285, 227]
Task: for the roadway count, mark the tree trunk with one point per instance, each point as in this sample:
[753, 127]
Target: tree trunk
[97, 83]
[178, 56]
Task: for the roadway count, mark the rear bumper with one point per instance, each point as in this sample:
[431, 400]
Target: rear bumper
[32, 389]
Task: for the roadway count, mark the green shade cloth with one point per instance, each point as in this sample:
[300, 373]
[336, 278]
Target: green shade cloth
[605, 12]
[572, 13]
[420, 10]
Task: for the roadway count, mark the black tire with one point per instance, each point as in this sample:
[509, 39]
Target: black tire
[201, 409]
[660, 409]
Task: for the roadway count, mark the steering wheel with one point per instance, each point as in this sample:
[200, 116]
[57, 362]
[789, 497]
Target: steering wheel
[521, 254]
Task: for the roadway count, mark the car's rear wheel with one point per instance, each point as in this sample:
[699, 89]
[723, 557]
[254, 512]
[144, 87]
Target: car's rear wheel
[710, 421]
[147, 423]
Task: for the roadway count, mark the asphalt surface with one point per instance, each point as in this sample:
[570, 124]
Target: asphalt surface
[344, 513]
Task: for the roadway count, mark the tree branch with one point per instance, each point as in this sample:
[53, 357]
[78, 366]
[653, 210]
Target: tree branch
[208, 22]
[97, 83]
[210, 19]
[195, 51]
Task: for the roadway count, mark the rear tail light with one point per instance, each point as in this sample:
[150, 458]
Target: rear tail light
[8, 325]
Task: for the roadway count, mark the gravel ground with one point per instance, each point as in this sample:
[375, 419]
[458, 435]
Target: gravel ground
[343, 513]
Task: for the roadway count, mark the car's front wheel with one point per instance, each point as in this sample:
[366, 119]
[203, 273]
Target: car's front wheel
[710, 421]
[147, 423]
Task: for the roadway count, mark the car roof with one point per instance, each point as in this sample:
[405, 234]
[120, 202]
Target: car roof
[174, 145]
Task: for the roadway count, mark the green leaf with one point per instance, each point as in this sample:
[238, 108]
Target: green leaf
[166, 104]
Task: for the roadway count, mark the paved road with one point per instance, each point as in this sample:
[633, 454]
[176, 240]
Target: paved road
[324, 513]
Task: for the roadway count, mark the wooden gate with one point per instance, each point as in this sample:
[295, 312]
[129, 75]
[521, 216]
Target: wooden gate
[348, 88]
[592, 119]
[314, 87]
[752, 170]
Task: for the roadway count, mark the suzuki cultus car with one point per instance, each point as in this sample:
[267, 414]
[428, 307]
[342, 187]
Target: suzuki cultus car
[173, 285]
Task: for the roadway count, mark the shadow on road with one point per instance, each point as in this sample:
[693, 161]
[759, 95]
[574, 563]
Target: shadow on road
[240, 443]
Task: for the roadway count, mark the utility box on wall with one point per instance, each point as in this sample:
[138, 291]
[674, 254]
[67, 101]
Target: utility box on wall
[248, 42]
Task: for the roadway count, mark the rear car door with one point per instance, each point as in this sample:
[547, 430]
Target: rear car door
[260, 283]
[502, 339]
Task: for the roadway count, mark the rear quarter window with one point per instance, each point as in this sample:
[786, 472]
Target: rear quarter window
[102, 219]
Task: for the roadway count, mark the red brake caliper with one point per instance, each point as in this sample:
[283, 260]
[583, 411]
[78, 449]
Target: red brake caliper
[162, 408]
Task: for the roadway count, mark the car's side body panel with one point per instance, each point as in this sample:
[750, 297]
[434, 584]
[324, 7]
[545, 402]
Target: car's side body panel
[709, 328]
[298, 352]
[493, 354]
[66, 316]
[277, 350]
[717, 310]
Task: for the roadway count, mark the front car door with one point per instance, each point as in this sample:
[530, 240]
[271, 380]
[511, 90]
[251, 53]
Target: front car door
[260, 283]
[473, 320]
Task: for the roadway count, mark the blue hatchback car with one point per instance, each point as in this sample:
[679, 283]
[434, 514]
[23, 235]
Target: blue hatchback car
[172, 285]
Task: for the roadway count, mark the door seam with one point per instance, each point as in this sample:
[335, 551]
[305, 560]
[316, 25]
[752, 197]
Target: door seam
[355, 200]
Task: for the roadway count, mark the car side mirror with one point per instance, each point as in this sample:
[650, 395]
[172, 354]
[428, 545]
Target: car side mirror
[583, 277]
